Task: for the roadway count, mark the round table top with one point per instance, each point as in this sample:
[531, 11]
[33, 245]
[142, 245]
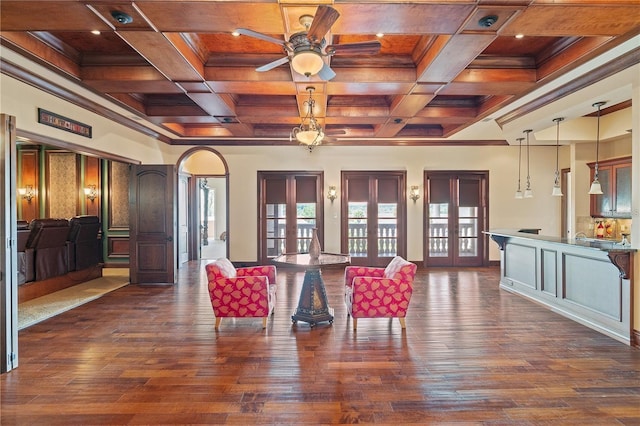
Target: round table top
[304, 259]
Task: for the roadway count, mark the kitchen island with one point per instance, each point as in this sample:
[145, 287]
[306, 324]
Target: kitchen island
[587, 280]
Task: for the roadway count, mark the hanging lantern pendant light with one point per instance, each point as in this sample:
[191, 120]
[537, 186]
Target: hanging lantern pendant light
[557, 191]
[596, 188]
[528, 192]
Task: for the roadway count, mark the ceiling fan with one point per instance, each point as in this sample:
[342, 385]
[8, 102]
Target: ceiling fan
[306, 49]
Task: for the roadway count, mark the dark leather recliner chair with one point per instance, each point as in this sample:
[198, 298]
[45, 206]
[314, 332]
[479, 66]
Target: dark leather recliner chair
[84, 245]
[26, 271]
[48, 238]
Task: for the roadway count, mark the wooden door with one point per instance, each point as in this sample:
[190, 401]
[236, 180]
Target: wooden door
[291, 206]
[455, 218]
[373, 217]
[152, 205]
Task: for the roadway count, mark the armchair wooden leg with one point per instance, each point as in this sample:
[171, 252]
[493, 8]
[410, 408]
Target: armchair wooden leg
[218, 322]
[264, 322]
[402, 324]
[355, 323]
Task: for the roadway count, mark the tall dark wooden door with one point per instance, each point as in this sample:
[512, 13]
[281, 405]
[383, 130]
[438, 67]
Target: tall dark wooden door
[152, 206]
[373, 216]
[455, 218]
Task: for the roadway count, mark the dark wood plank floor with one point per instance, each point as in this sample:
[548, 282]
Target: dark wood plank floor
[471, 354]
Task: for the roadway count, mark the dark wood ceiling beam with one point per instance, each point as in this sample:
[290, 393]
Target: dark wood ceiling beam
[449, 55]
[122, 86]
[390, 128]
[460, 113]
[128, 100]
[174, 110]
[164, 55]
[34, 48]
[212, 103]
[357, 111]
[577, 52]
[409, 105]
[122, 73]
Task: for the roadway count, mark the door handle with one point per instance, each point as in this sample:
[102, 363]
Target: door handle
[170, 238]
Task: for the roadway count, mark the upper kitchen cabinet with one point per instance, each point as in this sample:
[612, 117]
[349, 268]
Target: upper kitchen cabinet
[615, 179]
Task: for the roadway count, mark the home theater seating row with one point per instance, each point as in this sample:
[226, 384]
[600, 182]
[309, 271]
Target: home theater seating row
[49, 248]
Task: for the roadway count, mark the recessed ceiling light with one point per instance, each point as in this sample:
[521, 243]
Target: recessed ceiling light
[235, 33]
[519, 35]
[380, 35]
[95, 32]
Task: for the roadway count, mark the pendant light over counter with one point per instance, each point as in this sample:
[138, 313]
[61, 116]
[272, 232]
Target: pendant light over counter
[528, 192]
[519, 194]
[557, 191]
[596, 189]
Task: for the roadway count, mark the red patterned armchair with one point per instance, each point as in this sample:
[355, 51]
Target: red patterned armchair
[379, 292]
[241, 292]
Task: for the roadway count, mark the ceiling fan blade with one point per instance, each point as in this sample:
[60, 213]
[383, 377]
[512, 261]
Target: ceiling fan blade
[255, 34]
[361, 48]
[322, 22]
[326, 73]
[272, 65]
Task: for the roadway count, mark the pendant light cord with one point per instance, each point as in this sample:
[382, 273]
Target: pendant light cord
[519, 161]
[528, 176]
[597, 141]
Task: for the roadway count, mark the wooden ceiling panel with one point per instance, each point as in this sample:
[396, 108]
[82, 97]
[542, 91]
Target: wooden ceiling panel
[564, 20]
[253, 87]
[48, 16]
[371, 89]
[213, 17]
[438, 71]
[400, 18]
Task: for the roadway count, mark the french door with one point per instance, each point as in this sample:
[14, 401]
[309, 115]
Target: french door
[290, 207]
[455, 218]
[373, 217]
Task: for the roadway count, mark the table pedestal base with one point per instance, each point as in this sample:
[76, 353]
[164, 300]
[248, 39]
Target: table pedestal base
[313, 306]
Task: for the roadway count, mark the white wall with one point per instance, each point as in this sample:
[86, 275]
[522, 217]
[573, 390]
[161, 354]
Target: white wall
[542, 211]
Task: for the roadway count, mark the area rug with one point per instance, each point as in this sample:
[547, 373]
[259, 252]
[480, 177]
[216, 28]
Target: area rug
[42, 308]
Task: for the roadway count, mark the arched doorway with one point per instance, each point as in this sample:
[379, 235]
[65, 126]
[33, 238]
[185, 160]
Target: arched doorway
[202, 205]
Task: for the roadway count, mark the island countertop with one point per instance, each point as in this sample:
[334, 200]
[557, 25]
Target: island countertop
[587, 280]
[594, 243]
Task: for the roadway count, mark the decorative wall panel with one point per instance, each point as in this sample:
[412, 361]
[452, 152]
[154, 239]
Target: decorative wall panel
[62, 184]
[119, 195]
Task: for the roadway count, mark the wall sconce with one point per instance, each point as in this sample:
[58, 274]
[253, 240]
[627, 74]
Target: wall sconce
[414, 193]
[91, 192]
[27, 193]
[332, 194]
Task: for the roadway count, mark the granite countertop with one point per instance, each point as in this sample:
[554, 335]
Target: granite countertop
[595, 243]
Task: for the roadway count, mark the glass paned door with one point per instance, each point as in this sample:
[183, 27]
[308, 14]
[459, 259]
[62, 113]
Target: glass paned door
[438, 230]
[357, 230]
[374, 222]
[290, 206]
[305, 222]
[455, 218]
[276, 226]
[387, 229]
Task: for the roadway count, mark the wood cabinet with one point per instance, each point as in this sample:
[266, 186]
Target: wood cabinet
[615, 179]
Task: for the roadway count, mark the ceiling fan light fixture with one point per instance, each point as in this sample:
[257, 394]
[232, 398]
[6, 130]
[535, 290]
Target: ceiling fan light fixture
[307, 62]
[309, 137]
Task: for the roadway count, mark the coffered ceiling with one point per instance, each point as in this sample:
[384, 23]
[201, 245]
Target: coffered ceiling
[439, 70]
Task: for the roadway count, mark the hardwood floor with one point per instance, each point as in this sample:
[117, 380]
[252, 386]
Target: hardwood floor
[471, 354]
